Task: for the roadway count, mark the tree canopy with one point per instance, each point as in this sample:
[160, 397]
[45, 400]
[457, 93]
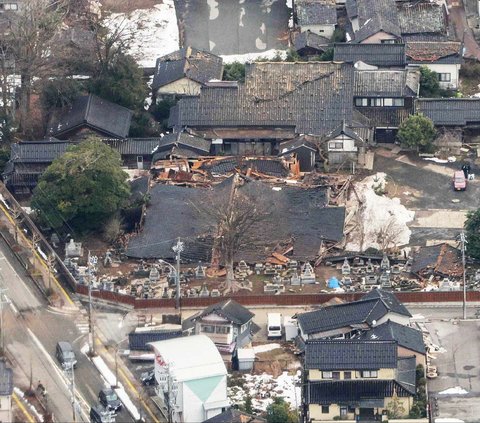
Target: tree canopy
[82, 188]
[429, 85]
[279, 412]
[417, 132]
[472, 228]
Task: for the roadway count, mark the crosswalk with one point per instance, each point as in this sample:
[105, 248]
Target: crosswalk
[81, 321]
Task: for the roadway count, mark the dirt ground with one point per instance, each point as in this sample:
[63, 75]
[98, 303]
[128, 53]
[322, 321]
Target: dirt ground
[277, 361]
[126, 6]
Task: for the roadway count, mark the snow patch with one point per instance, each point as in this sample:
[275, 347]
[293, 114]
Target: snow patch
[251, 57]
[32, 408]
[263, 388]
[264, 348]
[120, 391]
[454, 391]
[383, 219]
[154, 31]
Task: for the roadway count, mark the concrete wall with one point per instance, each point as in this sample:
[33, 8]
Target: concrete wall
[323, 30]
[183, 86]
[378, 37]
[419, 358]
[6, 409]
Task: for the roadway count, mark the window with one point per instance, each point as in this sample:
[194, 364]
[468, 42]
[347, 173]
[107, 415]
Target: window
[388, 102]
[369, 373]
[222, 329]
[325, 409]
[9, 6]
[361, 102]
[444, 77]
[347, 375]
[343, 411]
[336, 375]
[398, 102]
[208, 328]
[351, 409]
[377, 102]
[327, 375]
[388, 41]
[335, 145]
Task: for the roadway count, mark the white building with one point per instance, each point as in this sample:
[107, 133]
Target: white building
[6, 391]
[192, 378]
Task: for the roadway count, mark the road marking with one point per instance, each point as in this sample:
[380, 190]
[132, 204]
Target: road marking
[69, 300]
[130, 385]
[22, 407]
[61, 374]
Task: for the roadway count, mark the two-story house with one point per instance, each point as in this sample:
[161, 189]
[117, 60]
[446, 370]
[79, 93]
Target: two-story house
[386, 98]
[409, 340]
[318, 17]
[191, 379]
[6, 391]
[227, 323]
[356, 380]
[349, 319]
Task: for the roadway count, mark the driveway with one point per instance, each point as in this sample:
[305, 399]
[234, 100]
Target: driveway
[227, 27]
[426, 188]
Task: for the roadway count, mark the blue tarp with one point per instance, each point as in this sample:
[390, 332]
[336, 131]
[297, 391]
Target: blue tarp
[333, 282]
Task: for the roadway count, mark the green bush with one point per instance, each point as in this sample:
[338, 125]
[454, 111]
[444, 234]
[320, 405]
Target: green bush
[234, 72]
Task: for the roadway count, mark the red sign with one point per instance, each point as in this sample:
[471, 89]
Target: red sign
[160, 360]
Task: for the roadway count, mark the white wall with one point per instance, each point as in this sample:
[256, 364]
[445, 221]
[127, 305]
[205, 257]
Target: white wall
[378, 37]
[453, 70]
[348, 143]
[323, 30]
[183, 86]
[6, 409]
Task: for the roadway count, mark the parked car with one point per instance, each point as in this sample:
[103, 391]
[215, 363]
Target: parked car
[65, 354]
[459, 181]
[148, 378]
[109, 399]
[98, 414]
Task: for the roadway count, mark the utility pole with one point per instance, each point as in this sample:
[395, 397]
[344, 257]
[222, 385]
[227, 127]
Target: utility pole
[50, 262]
[463, 241]
[178, 248]
[2, 328]
[70, 371]
[91, 330]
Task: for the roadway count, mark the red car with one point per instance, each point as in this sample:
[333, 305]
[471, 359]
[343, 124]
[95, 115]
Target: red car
[459, 181]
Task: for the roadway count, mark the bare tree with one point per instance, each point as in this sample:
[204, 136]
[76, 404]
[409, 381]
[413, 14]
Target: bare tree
[388, 234]
[31, 38]
[234, 215]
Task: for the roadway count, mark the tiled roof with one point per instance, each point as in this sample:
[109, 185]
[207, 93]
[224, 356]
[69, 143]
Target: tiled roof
[375, 16]
[134, 146]
[388, 299]
[310, 39]
[182, 144]
[268, 166]
[406, 373]
[311, 97]
[360, 393]
[422, 17]
[108, 118]
[235, 416]
[442, 259]
[315, 13]
[344, 129]
[434, 52]
[349, 354]
[197, 65]
[386, 83]
[381, 54]
[450, 111]
[6, 379]
[138, 341]
[371, 307]
[287, 147]
[229, 309]
[300, 216]
[405, 336]
[44, 151]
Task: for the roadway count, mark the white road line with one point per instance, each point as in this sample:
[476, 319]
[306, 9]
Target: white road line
[35, 302]
[61, 375]
[12, 306]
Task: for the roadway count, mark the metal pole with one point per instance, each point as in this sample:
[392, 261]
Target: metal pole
[462, 238]
[178, 248]
[2, 329]
[169, 387]
[91, 334]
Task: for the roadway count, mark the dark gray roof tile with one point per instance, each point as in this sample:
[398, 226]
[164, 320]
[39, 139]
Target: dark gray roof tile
[386, 83]
[382, 54]
[450, 111]
[230, 310]
[422, 17]
[315, 13]
[349, 354]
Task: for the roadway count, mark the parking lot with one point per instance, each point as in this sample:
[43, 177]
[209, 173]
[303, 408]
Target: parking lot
[232, 26]
[457, 361]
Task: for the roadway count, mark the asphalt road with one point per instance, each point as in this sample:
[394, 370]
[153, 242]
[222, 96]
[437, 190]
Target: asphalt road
[233, 26]
[31, 334]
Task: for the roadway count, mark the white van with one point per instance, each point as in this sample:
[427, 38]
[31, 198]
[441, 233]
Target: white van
[274, 325]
